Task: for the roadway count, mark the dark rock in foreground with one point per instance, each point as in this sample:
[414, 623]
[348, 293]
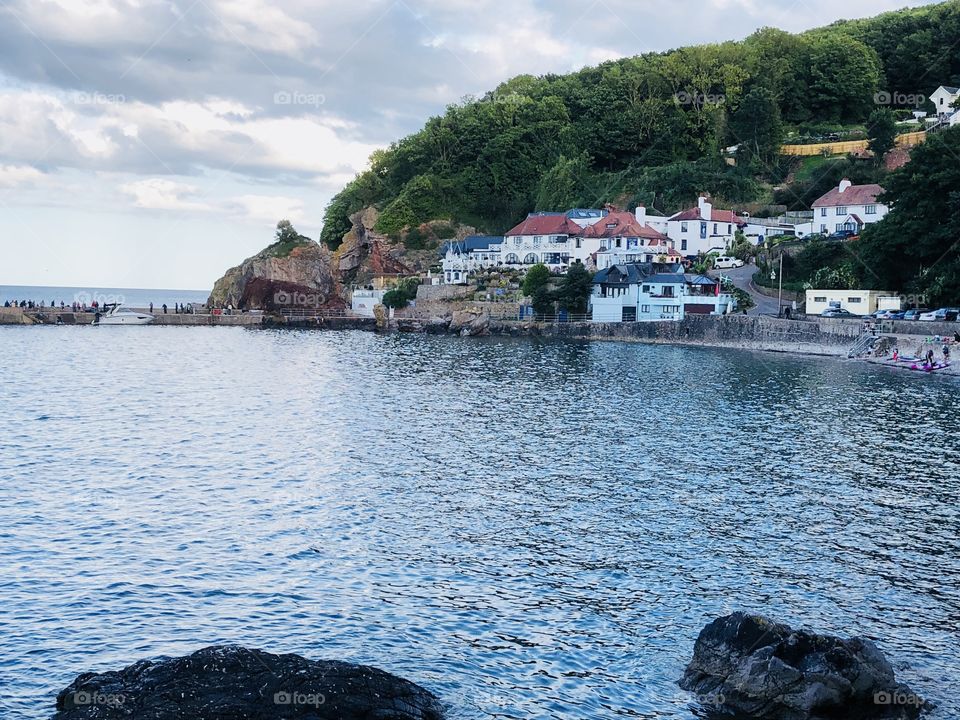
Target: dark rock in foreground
[756, 668]
[234, 683]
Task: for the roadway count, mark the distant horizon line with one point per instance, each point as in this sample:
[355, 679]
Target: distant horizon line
[99, 287]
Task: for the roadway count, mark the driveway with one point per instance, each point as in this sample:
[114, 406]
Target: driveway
[743, 278]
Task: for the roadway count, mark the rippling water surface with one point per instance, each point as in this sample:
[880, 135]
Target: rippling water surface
[530, 529]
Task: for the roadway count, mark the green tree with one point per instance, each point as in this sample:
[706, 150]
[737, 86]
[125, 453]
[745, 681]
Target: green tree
[755, 125]
[573, 295]
[882, 130]
[536, 286]
[401, 296]
[914, 249]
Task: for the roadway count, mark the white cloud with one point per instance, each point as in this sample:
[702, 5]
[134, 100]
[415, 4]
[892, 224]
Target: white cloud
[18, 175]
[163, 194]
[269, 208]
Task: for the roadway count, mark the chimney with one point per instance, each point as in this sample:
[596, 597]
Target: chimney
[844, 184]
[705, 206]
[641, 214]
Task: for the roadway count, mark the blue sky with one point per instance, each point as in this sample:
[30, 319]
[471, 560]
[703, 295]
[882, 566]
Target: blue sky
[154, 143]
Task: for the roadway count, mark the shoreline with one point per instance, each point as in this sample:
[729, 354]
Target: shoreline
[824, 338]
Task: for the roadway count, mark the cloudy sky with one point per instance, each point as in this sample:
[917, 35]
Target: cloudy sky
[154, 143]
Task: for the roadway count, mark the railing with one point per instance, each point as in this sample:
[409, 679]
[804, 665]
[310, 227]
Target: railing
[316, 312]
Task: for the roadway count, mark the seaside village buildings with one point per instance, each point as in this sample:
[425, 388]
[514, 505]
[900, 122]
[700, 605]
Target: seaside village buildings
[640, 257]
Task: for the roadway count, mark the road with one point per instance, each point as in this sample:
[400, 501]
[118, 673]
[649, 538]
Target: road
[742, 278]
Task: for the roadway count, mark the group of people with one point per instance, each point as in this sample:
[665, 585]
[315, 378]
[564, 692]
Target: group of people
[178, 309]
[33, 305]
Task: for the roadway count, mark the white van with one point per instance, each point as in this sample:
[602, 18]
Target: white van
[725, 263]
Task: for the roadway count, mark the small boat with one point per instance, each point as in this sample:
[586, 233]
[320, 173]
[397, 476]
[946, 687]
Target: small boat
[116, 314]
[926, 367]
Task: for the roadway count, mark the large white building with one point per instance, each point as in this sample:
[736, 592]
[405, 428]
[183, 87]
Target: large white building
[943, 99]
[848, 207]
[648, 292]
[703, 229]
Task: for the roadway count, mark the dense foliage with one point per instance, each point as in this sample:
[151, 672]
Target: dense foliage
[656, 123]
[916, 249]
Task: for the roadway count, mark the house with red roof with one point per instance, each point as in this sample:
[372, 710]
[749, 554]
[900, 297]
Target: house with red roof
[540, 238]
[848, 207]
[623, 237]
[703, 229]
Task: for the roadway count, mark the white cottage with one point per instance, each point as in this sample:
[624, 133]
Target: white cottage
[848, 207]
[703, 229]
[943, 99]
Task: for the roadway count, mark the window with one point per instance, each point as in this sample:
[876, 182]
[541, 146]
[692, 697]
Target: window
[518, 240]
[683, 227]
[536, 240]
[683, 244]
[619, 242]
[820, 299]
[646, 288]
[645, 308]
[823, 228]
[579, 243]
[530, 259]
[823, 212]
[841, 209]
[870, 210]
[854, 300]
[703, 230]
[511, 259]
[715, 229]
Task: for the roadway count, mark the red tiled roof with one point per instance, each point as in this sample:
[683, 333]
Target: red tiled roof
[622, 224]
[545, 225]
[853, 195]
[726, 216]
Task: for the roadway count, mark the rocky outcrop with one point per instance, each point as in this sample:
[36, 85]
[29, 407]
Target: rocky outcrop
[753, 667]
[302, 278]
[364, 253]
[469, 324]
[234, 683]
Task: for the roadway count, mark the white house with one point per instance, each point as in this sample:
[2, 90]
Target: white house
[463, 257]
[703, 229]
[363, 300]
[943, 99]
[623, 238]
[540, 238]
[648, 292]
[848, 207]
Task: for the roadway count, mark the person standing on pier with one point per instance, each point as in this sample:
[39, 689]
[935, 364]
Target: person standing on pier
[151, 307]
[164, 306]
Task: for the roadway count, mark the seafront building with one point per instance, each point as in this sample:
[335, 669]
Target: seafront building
[639, 292]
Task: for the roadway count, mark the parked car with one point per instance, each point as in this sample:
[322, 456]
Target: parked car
[837, 313]
[878, 315]
[725, 263]
[842, 235]
[915, 313]
[941, 315]
[894, 315]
